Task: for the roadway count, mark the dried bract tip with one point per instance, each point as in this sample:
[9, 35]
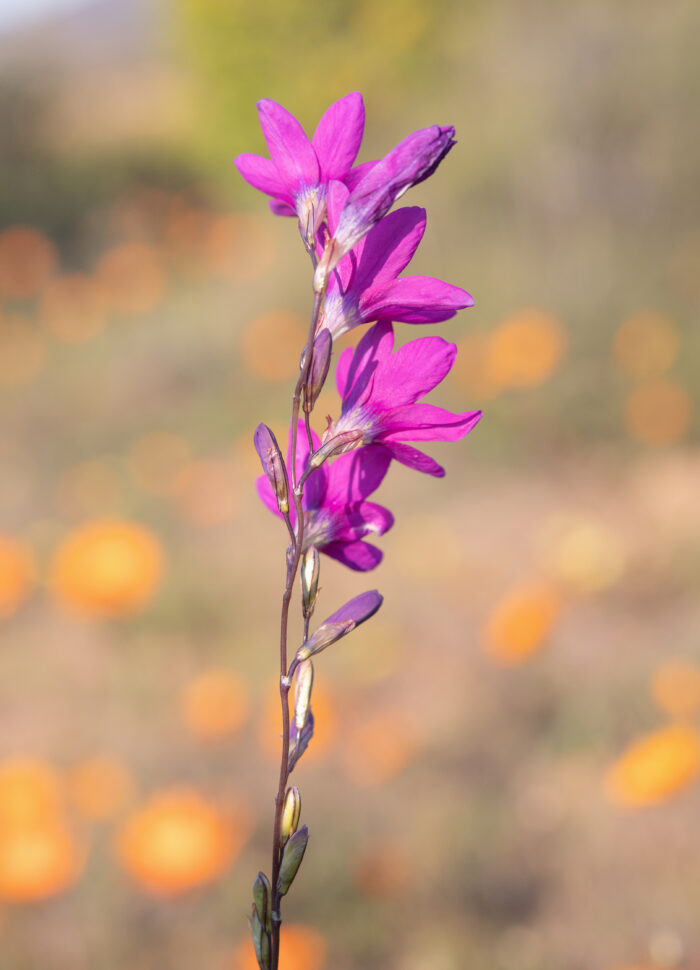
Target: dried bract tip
[318, 371]
[273, 465]
[310, 572]
[339, 444]
[302, 693]
[290, 813]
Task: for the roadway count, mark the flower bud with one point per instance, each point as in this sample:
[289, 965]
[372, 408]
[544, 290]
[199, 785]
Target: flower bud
[339, 444]
[290, 813]
[318, 371]
[261, 897]
[303, 682]
[350, 615]
[291, 859]
[273, 465]
[410, 162]
[310, 571]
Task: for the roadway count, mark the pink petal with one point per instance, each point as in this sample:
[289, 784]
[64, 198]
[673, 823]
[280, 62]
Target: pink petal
[335, 200]
[389, 247]
[354, 476]
[342, 368]
[267, 496]
[282, 208]
[355, 176]
[412, 371]
[360, 519]
[315, 486]
[262, 174]
[290, 149]
[413, 299]
[360, 556]
[338, 136]
[413, 458]
[373, 350]
[425, 422]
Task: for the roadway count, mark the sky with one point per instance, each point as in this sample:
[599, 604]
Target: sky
[17, 13]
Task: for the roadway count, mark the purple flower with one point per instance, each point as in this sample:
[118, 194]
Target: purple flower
[365, 285]
[337, 515]
[380, 391]
[298, 171]
[410, 162]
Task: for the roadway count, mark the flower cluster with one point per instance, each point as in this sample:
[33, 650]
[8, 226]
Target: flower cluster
[358, 248]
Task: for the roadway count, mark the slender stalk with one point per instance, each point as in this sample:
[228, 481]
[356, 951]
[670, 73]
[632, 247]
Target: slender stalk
[285, 679]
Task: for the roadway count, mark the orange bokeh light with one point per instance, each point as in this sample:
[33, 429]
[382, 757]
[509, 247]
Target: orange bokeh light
[474, 367]
[23, 350]
[272, 344]
[156, 459]
[73, 307]
[38, 861]
[526, 349]
[132, 277]
[99, 787]
[215, 704]
[17, 574]
[30, 792]
[107, 568]
[675, 688]
[178, 841]
[658, 414]
[205, 491]
[38, 854]
[239, 247]
[27, 261]
[378, 747]
[301, 948]
[521, 623]
[646, 345]
[656, 767]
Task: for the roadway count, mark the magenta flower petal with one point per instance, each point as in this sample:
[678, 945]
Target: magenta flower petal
[342, 369]
[412, 371]
[360, 519]
[360, 556]
[418, 460]
[371, 352]
[281, 208]
[410, 162]
[425, 422]
[354, 476]
[290, 150]
[262, 174]
[414, 299]
[267, 495]
[390, 247]
[338, 136]
[355, 176]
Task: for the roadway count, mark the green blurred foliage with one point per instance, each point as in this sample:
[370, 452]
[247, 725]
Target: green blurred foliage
[242, 51]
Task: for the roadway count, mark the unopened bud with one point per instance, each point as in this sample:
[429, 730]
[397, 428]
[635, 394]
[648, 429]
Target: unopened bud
[338, 624]
[261, 897]
[310, 571]
[290, 813]
[318, 371]
[291, 859]
[303, 683]
[339, 444]
[273, 465]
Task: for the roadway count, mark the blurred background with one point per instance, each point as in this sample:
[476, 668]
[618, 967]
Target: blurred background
[505, 772]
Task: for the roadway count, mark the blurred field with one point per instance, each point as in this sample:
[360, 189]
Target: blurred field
[506, 771]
